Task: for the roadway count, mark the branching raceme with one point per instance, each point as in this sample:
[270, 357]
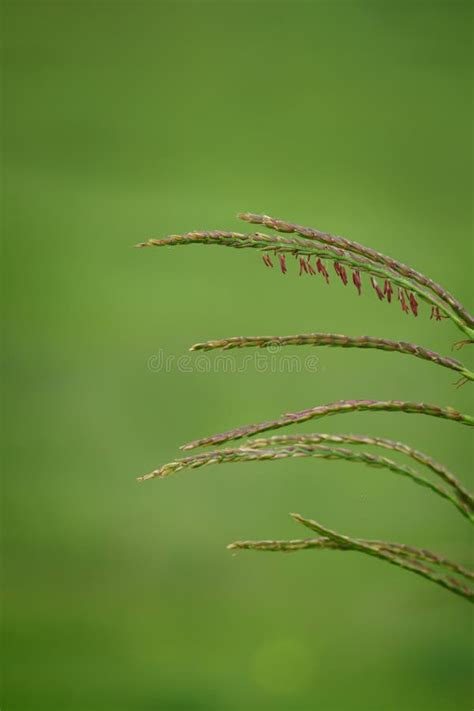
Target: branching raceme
[310, 248]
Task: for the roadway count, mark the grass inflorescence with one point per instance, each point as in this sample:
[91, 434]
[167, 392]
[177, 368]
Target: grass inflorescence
[334, 408]
[300, 544]
[391, 280]
[335, 340]
[305, 250]
[372, 254]
[417, 560]
[317, 451]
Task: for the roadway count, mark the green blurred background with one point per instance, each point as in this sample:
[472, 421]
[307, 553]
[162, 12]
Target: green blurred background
[128, 120]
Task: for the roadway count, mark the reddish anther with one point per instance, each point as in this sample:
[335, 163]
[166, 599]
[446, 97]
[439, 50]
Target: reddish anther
[322, 270]
[303, 266]
[341, 272]
[377, 288]
[413, 304]
[387, 290]
[357, 281]
[435, 313]
[401, 298]
[310, 268]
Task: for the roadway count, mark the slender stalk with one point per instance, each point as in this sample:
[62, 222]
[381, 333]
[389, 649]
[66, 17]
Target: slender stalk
[235, 455]
[439, 469]
[341, 407]
[299, 245]
[300, 544]
[374, 255]
[337, 340]
[417, 567]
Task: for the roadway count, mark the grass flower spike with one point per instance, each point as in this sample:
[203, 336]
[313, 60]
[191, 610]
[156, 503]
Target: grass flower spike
[363, 269]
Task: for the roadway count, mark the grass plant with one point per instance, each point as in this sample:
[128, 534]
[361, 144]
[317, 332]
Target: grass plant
[390, 280]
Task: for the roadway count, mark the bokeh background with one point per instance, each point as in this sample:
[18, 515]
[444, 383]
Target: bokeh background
[128, 120]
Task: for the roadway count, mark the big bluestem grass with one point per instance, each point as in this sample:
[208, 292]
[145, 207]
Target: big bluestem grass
[312, 249]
